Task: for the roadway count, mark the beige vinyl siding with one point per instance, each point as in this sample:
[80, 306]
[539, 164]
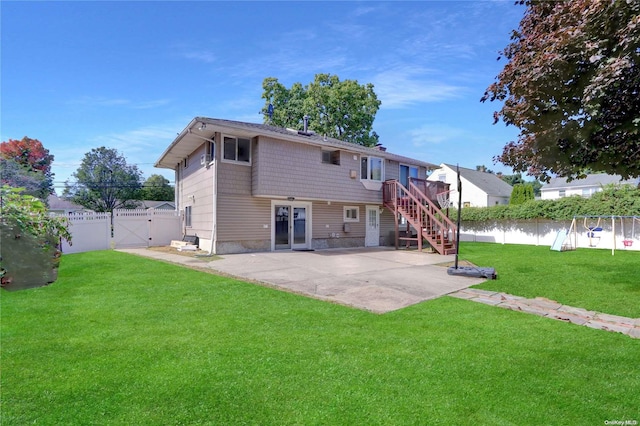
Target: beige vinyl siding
[287, 169]
[387, 228]
[392, 170]
[196, 190]
[242, 218]
[328, 219]
[234, 178]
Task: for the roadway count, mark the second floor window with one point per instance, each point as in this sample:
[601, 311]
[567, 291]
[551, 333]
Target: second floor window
[331, 157]
[237, 149]
[371, 168]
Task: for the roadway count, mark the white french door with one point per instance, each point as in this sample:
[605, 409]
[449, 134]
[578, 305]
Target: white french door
[291, 226]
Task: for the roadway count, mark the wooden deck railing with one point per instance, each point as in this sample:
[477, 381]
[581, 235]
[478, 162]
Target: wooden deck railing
[429, 189]
[422, 213]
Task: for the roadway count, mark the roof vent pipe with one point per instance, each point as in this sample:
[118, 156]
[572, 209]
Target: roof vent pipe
[305, 119]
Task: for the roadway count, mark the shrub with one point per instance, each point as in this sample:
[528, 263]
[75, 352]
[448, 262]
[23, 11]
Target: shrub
[28, 253]
[618, 200]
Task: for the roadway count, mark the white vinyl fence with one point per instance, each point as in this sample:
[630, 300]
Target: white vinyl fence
[131, 228]
[618, 234]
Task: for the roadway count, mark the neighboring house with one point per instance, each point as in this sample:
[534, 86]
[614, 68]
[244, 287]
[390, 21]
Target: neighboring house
[245, 187]
[479, 189]
[559, 187]
[158, 205]
[58, 205]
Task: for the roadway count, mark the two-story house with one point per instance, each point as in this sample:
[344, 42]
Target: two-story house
[479, 189]
[245, 187]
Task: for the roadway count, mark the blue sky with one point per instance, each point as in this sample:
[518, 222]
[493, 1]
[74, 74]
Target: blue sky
[130, 75]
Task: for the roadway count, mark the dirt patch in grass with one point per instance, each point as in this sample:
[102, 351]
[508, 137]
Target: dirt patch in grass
[188, 253]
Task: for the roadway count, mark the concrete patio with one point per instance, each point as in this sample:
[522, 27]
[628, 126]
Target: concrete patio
[379, 279]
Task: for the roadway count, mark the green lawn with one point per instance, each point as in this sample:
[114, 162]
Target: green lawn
[586, 278]
[123, 340]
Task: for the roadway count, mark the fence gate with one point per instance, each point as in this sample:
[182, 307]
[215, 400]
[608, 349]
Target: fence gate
[164, 226]
[130, 228]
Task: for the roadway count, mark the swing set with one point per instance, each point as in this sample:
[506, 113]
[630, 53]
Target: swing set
[593, 228]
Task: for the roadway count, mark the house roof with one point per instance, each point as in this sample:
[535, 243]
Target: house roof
[487, 182]
[57, 203]
[149, 204]
[589, 181]
[195, 134]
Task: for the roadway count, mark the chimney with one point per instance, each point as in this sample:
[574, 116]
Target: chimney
[306, 123]
[306, 131]
[379, 147]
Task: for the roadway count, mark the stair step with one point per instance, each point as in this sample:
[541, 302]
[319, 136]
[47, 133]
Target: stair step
[417, 216]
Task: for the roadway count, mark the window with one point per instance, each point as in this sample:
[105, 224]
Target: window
[237, 149]
[331, 157]
[442, 177]
[187, 216]
[210, 152]
[351, 214]
[371, 168]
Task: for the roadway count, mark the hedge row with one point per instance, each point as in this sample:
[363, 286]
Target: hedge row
[618, 200]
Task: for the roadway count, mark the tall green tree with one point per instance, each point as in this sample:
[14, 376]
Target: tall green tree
[29, 236]
[572, 87]
[157, 188]
[104, 181]
[521, 193]
[513, 179]
[343, 110]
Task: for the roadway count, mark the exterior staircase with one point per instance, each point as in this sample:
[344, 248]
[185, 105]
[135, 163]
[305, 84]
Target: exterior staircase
[418, 205]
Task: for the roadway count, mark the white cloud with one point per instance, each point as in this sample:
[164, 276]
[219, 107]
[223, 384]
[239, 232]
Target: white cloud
[197, 54]
[138, 140]
[98, 101]
[434, 134]
[405, 86]
[205, 56]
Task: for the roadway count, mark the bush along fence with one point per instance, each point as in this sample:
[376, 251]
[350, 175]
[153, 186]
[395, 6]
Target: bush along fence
[607, 232]
[130, 228]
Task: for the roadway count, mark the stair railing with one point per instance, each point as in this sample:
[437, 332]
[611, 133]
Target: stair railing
[420, 211]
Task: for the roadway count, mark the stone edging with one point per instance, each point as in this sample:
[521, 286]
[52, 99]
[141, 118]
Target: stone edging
[555, 310]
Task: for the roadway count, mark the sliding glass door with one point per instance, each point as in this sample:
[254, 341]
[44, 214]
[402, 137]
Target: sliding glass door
[291, 226]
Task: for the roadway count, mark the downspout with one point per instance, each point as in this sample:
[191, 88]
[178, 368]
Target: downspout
[177, 191]
[214, 206]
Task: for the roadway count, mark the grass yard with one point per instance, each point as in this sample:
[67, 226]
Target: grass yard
[123, 340]
[586, 278]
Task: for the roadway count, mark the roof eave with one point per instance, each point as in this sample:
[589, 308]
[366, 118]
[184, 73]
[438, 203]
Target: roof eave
[242, 130]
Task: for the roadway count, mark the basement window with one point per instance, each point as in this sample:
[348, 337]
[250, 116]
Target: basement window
[351, 214]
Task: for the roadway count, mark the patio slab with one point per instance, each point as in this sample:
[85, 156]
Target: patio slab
[379, 279]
